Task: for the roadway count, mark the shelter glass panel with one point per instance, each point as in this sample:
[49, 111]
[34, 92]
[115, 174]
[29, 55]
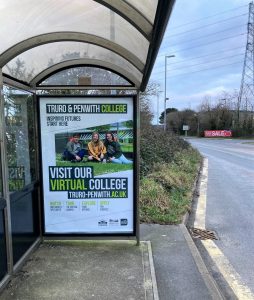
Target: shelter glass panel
[32, 18]
[29, 64]
[146, 7]
[85, 76]
[21, 160]
[3, 254]
[19, 122]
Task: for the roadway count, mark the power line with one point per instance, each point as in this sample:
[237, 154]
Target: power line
[203, 63]
[206, 69]
[208, 43]
[176, 72]
[211, 54]
[204, 26]
[197, 57]
[204, 36]
[208, 17]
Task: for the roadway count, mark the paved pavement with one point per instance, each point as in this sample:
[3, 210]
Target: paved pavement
[167, 265]
[180, 271]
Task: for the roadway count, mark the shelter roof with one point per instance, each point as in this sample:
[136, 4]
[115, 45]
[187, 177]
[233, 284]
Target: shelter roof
[40, 38]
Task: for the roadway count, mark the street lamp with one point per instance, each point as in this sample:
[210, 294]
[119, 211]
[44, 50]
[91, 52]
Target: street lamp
[165, 99]
[158, 101]
[165, 114]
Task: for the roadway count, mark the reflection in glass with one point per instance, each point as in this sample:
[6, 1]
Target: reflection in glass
[90, 75]
[21, 160]
[19, 120]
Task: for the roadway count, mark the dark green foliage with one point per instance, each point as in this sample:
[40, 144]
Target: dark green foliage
[158, 147]
[168, 110]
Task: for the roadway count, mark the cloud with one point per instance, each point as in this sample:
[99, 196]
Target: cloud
[208, 58]
[228, 79]
[208, 40]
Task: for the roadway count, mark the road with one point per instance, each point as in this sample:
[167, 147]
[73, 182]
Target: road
[230, 208]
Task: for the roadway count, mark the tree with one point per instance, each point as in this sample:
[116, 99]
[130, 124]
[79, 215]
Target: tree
[176, 119]
[19, 71]
[146, 115]
[168, 110]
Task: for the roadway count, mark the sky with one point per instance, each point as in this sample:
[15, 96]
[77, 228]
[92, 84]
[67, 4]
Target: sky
[208, 39]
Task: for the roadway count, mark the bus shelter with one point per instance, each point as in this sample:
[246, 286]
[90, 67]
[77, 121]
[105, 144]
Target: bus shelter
[68, 68]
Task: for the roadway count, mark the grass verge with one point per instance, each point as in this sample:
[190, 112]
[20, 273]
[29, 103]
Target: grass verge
[166, 193]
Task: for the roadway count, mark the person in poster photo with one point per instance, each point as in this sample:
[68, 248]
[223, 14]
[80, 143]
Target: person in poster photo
[74, 151]
[114, 152]
[96, 149]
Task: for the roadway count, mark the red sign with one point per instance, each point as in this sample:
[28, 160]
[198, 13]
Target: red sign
[217, 133]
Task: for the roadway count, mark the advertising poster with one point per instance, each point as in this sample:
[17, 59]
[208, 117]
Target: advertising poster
[218, 133]
[87, 160]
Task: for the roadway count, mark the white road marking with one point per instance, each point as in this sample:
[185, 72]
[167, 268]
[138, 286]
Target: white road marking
[226, 269]
[201, 207]
[229, 273]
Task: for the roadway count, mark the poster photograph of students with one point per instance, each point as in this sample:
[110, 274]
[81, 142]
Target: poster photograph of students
[87, 160]
[107, 148]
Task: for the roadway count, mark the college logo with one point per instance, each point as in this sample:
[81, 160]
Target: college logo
[124, 222]
[102, 223]
[113, 222]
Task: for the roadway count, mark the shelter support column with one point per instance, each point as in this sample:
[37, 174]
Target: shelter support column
[137, 167]
[37, 157]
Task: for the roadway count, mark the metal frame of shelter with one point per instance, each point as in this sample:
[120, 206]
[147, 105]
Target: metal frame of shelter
[39, 40]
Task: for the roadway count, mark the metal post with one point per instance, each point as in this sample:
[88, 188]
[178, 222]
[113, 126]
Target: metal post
[165, 92]
[165, 99]
[37, 153]
[158, 101]
[158, 98]
[198, 125]
[137, 166]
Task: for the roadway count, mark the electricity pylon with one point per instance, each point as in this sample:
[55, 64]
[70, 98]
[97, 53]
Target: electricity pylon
[246, 94]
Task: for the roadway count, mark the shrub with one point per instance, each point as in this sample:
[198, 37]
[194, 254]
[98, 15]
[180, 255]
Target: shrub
[158, 147]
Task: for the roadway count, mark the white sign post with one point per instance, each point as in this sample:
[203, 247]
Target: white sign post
[186, 128]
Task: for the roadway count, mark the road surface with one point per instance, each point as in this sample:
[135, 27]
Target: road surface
[230, 208]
